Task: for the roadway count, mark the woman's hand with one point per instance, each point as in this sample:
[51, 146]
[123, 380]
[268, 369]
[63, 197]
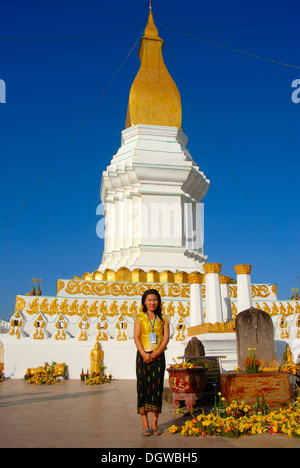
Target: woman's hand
[147, 357]
[154, 355]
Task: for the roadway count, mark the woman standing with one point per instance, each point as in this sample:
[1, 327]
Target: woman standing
[151, 336]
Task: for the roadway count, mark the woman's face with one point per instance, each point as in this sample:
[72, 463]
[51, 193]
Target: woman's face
[151, 302]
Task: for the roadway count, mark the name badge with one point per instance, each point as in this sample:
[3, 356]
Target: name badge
[152, 338]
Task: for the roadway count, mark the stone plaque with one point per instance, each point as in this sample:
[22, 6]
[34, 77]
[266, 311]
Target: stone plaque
[254, 329]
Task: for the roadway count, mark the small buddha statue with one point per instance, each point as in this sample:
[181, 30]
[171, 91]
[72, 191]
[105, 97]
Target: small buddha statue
[288, 356]
[96, 356]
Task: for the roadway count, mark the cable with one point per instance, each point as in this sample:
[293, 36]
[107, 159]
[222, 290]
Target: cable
[70, 37]
[223, 153]
[71, 138]
[228, 48]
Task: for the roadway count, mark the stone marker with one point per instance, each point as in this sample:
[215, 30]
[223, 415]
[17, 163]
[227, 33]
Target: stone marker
[194, 348]
[254, 329]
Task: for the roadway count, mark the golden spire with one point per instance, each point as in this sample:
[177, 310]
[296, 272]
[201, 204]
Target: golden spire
[154, 98]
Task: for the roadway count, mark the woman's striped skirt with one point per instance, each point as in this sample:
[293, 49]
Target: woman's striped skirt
[150, 382]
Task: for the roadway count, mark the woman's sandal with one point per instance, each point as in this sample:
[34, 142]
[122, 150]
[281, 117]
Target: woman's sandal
[146, 433]
[156, 432]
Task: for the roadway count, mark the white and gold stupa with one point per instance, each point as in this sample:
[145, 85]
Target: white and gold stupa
[152, 192]
[153, 189]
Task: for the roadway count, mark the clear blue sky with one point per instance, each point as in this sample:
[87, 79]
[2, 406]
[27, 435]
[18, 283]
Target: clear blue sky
[242, 125]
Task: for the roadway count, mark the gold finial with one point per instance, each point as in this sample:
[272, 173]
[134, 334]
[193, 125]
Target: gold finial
[154, 98]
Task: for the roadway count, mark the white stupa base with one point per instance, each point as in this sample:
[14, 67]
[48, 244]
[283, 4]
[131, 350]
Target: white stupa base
[155, 257]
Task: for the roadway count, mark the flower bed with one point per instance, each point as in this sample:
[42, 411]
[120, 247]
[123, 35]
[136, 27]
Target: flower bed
[277, 366]
[238, 419]
[46, 375]
[98, 379]
[42, 379]
[95, 379]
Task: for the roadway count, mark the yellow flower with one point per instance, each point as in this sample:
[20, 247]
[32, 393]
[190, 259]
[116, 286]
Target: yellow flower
[173, 429]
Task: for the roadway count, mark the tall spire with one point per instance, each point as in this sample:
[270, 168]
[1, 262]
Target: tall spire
[154, 98]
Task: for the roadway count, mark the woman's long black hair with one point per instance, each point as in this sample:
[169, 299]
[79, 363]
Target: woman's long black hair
[158, 311]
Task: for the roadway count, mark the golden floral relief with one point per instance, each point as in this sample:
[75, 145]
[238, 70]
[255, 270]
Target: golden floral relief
[61, 325]
[39, 325]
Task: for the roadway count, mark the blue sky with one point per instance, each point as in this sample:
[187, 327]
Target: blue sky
[242, 124]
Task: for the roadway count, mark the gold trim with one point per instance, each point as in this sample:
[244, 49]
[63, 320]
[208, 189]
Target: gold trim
[180, 328]
[60, 285]
[136, 276]
[243, 269]
[274, 289]
[181, 277]
[225, 279]
[16, 323]
[217, 327]
[61, 325]
[166, 277]
[123, 274]
[20, 304]
[87, 276]
[233, 291]
[196, 278]
[212, 268]
[83, 325]
[109, 275]
[178, 290]
[90, 288]
[152, 276]
[39, 325]
[98, 276]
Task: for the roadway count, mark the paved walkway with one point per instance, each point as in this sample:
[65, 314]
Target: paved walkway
[72, 414]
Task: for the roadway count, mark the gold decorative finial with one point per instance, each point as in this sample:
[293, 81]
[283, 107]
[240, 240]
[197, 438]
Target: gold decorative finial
[154, 98]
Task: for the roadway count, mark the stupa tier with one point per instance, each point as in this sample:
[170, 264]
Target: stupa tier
[152, 192]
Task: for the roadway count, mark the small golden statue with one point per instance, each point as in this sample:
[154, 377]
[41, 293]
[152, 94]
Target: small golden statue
[57, 370]
[288, 356]
[96, 356]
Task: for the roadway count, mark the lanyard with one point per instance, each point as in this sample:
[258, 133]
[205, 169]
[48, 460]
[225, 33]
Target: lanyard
[152, 325]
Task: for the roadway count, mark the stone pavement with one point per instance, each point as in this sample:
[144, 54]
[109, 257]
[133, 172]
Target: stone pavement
[72, 414]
